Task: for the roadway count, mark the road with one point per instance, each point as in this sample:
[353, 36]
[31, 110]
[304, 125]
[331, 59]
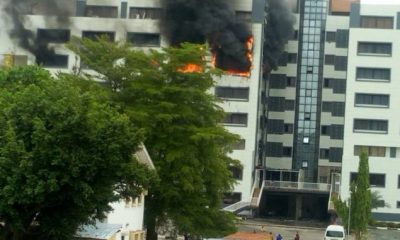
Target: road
[310, 233]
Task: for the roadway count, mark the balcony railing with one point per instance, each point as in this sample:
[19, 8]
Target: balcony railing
[297, 186]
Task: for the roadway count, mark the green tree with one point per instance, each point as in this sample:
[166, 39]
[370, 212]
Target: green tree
[182, 132]
[64, 155]
[361, 201]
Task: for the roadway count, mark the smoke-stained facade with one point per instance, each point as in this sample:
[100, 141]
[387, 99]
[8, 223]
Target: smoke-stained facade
[211, 21]
[29, 40]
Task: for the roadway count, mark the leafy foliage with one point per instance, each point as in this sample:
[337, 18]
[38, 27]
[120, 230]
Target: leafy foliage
[361, 201]
[180, 119]
[64, 155]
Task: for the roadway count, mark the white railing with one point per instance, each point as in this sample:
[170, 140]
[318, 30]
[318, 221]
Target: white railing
[299, 186]
[260, 193]
[237, 206]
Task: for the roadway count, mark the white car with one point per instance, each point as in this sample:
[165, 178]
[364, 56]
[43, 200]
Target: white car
[335, 232]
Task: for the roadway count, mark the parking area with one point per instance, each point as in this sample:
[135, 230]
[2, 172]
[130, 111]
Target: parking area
[310, 232]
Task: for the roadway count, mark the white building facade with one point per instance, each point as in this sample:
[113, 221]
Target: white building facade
[372, 121]
[138, 21]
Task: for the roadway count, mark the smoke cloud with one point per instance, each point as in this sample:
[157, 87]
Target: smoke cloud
[279, 30]
[27, 39]
[198, 21]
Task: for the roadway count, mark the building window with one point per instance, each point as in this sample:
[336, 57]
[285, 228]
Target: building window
[398, 204]
[304, 164]
[290, 81]
[329, 59]
[274, 149]
[288, 128]
[239, 145]
[340, 63]
[373, 74]
[393, 152]
[287, 151]
[144, 39]
[372, 151]
[239, 119]
[335, 154]
[292, 57]
[94, 35]
[237, 93]
[101, 11]
[289, 105]
[398, 182]
[243, 16]
[325, 130]
[370, 125]
[52, 60]
[324, 153]
[374, 48]
[231, 198]
[145, 13]
[378, 100]
[330, 36]
[53, 35]
[237, 172]
[377, 22]
[375, 179]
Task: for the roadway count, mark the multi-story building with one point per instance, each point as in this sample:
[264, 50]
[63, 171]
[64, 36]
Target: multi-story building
[40, 32]
[294, 133]
[305, 111]
[372, 122]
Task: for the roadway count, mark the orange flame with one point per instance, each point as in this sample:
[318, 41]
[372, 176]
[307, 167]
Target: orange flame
[249, 46]
[191, 68]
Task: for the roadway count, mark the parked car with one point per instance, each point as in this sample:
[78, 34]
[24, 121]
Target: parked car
[335, 232]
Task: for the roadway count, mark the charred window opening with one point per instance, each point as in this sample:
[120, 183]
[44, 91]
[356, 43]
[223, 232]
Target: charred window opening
[101, 11]
[145, 13]
[53, 35]
[94, 35]
[52, 61]
[243, 16]
[144, 39]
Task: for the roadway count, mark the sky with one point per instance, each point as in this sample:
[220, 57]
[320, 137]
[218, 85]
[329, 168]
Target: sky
[380, 1]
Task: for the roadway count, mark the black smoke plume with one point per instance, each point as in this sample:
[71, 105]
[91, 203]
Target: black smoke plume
[27, 39]
[279, 29]
[198, 21]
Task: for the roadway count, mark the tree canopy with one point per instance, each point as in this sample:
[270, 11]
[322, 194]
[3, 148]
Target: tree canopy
[180, 118]
[65, 154]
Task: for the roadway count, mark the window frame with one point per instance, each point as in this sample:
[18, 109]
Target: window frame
[370, 130]
[130, 38]
[231, 114]
[371, 105]
[231, 92]
[373, 79]
[375, 47]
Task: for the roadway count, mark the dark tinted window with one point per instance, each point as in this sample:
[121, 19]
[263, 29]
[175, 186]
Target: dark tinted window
[376, 22]
[370, 125]
[232, 93]
[144, 39]
[236, 119]
[374, 48]
[380, 74]
[372, 99]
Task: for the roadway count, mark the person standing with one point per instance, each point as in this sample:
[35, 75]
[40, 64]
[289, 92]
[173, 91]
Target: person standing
[297, 237]
[279, 237]
[270, 236]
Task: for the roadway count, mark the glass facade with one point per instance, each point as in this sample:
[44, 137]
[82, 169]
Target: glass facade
[309, 75]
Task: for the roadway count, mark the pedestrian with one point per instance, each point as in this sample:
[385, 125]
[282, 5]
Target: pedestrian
[279, 237]
[270, 236]
[297, 237]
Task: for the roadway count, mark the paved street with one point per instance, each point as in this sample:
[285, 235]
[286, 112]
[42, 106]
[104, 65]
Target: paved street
[310, 233]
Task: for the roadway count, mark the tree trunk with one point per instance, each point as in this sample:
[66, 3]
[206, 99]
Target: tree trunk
[151, 229]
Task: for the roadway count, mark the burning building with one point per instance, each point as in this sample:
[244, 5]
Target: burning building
[233, 31]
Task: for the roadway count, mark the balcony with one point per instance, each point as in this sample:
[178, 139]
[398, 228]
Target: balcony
[297, 186]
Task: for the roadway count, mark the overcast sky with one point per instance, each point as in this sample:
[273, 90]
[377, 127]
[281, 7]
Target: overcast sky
[381, 1]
